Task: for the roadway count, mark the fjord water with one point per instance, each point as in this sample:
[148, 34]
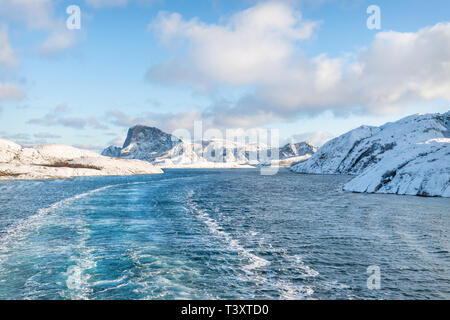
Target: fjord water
[207, 234]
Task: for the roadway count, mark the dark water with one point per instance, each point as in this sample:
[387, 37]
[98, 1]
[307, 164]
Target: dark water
[207, 234]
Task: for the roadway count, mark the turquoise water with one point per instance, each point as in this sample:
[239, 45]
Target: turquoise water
[208, 234]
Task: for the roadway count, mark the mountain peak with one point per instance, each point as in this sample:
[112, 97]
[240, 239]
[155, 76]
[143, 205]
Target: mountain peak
[141, 133]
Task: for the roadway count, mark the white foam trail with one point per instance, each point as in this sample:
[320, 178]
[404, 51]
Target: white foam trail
[113, 281]
[300, 264]
[255, 261]
[16, 233]
[77, 281]
[13, 232]
[287, 290]
[154, 280]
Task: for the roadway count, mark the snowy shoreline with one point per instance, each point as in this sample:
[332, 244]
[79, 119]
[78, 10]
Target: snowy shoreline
[60, 162]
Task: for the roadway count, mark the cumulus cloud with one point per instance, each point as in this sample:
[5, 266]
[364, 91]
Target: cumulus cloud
[394, 71]
[403, 67]
[59, 117]
[251, 47]
[259, 48]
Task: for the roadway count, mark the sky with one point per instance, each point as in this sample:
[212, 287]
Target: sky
[311, 69]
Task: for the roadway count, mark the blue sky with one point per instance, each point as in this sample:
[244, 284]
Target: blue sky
[298, 66]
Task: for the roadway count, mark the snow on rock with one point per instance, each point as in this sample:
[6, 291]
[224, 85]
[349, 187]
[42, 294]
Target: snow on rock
[112, 151]
[8, 150]
[420, 169]
[60, 161]
[293, 153]
[336, 156]
[167, 151]
[410, 156]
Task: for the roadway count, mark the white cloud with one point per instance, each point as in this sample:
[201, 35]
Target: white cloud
[251, 47]
[7, 57]
[396, 70]
[401, 67]
[258, 48]
[37, 14]
[9, 91]
[58, 40]
[40, 15]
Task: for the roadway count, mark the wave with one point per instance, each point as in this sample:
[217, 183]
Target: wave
[158, 277]
[77, 281]
[300, 264]
[286, 289]
[233, 244]
[17, 232]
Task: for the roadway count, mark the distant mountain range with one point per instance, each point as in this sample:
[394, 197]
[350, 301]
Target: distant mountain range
[168, 151]
[410, 156]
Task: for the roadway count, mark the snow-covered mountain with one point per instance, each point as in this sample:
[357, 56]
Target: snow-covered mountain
[291, 150]
[293, 153]
[410, 156]
[167, 151]
[61, 161]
